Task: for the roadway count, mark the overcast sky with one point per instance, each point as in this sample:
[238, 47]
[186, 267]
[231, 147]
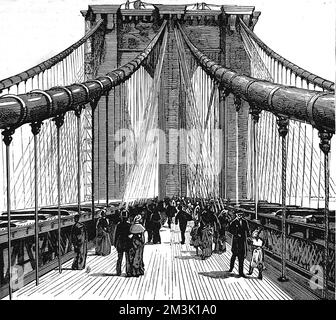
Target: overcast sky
[31, 31]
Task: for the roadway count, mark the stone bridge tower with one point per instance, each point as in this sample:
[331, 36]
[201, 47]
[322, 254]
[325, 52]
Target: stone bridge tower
[214, 30]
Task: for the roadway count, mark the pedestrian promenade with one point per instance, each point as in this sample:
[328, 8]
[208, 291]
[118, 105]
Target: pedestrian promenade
[172, 272]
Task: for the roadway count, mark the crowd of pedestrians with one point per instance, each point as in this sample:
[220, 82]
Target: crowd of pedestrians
[127, 227]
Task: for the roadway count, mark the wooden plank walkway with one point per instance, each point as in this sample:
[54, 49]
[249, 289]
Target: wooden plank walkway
[172, 272]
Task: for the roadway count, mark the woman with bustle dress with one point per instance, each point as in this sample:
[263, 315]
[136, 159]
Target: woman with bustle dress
[206, 233]
[195, 233]
[114, 220]
[103, 241]
[137, 267]
[220, 240]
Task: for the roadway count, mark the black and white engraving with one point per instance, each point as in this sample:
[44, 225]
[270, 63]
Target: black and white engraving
[169, 152]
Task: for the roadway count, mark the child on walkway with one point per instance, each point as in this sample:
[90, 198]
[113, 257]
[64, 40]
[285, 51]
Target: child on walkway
[257, 260]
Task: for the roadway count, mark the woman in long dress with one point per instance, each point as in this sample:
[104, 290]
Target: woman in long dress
[103, 241]
[206, 232]
[114, 220]
[220, 240]
[137, 267]
[195, 233]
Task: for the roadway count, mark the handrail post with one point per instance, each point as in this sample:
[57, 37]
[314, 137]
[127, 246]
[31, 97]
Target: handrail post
[7, 139]
[325, 138]
[283, 130]
[36, 128]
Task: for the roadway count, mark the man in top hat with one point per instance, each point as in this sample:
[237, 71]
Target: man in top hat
[148, 221]
[79, 238]
[182, 219]
[156, 225]
[170, 211]
[240, 232]
[122, 241]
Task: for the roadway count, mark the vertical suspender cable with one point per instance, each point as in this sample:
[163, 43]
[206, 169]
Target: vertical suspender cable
[250, 165]
[107, 148]
[267, 119]
[47, 84]
[22, 155]
[237, 151]
[297, 163]
[66, 72]
[98, 155]
[221, 112]
[114, 128]
[291, 164]
[255, 169]
[69, 69]
[262, 146]
[78, 115]
[272, 163]
[36, 213]
[63, 73]
[277, 170]
[311, 166]
[120, 127]
[304, 163]
[319, 182]
[267, 158]
[59, 199]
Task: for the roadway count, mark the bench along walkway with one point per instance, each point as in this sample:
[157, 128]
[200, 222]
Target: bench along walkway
[172, 272]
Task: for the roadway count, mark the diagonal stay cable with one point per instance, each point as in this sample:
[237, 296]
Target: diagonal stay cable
[149, 114]
[191, 97]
